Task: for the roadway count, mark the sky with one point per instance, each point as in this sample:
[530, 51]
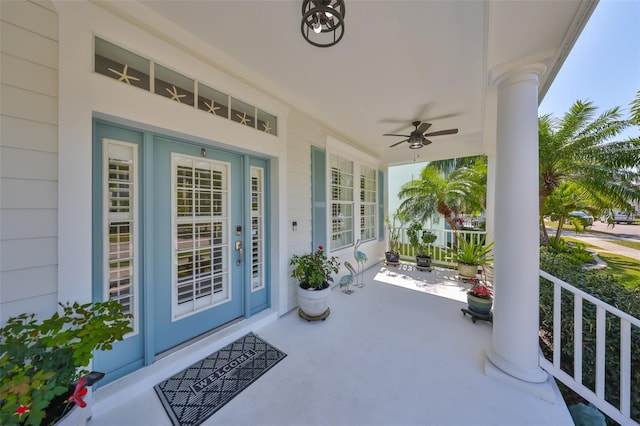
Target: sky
[604, 64]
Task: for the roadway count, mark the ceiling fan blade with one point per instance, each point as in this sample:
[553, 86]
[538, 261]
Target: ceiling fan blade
[426, 142]
[394, 134]
[423, 127]
[442, 132]
[398, 143]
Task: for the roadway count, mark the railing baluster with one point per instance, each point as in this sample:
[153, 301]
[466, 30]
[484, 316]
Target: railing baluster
[601, 341]
[621, 414]
[577, 338]
[557, 324]
[625, 367]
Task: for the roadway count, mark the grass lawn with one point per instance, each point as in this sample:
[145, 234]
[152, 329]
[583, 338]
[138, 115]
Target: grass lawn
[626, 269]
[631, 244]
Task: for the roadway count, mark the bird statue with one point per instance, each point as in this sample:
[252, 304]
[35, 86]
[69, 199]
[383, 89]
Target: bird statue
[346, 280]
[361, 258]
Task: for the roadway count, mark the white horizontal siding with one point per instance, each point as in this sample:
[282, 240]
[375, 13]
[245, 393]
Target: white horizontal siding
[42, 305]
[28, 105]
[28, 194]
[28, 158]
[28, 253]
[22, 43]
[27, 283]
[26, 164]
[28, 223]
[22, 74]
[21, 133]
[30, 16]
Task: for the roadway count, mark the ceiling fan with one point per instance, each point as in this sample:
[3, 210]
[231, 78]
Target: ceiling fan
[418, 138]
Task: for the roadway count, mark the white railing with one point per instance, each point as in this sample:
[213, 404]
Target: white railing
[621, 414]
[441, 249]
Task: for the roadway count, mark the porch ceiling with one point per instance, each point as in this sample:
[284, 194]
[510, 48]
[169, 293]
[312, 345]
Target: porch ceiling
[399, 61]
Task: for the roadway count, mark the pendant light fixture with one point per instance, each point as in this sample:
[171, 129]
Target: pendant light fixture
[322, 22]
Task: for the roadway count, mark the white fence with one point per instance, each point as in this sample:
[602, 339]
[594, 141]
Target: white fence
[441, 250]
[622, 413]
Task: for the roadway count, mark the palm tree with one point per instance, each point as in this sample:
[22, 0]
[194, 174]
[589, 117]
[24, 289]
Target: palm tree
[563, 200]
[578, 149]
[445, 193]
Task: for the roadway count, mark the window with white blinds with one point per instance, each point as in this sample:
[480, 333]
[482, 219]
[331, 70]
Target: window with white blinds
[200, 199]
[342, 202]
[257, 229]
[368, 203]
[120, 171]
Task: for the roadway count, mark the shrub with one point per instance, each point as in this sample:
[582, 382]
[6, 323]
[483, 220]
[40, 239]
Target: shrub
[605, 287]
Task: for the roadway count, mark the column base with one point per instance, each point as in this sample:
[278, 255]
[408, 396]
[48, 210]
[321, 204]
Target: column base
[545, 390]
[531, 375]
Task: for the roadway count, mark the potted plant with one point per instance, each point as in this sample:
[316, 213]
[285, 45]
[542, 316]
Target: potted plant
[392, 256]
[420, 240]
[480, 299]
[313, 272]
[42, 364]
[470, 254]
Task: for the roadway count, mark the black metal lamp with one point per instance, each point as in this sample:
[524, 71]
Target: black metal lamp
[322, 22]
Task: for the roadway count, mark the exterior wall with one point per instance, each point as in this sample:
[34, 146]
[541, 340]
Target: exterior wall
[303, 132]
[28, 158]
[46, 190]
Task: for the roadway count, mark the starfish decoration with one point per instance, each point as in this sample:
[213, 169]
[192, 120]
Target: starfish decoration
[174, 94]
[123, 75]
[212, 109]
[267, 127]
[243, 118]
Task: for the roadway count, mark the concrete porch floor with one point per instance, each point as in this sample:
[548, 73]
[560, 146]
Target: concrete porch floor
[391, 353]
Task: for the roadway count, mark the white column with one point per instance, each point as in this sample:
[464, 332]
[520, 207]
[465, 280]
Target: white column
[515, 328]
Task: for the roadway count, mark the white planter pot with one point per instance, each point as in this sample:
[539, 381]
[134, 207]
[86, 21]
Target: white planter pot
[465, 270]
[313, 302]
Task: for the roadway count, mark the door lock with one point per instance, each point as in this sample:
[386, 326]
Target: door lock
[239, 250]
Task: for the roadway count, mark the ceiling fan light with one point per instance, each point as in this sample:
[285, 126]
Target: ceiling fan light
[415, 145]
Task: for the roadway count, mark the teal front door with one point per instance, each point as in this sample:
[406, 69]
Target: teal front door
[179, 239]
[198, 235]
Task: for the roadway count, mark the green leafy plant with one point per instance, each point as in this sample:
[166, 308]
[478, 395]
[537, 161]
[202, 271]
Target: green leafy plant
[420, 239]
[394, 234]
[473, 252]
[313, 270]
[40, 361]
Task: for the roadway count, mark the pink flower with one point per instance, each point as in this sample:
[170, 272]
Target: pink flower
[481, 291]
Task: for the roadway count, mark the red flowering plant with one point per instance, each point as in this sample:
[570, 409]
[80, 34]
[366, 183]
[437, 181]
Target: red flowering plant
[43, 364]
[481, 291]
[313, 270]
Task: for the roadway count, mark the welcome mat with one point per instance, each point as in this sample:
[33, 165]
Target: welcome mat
[193, 395]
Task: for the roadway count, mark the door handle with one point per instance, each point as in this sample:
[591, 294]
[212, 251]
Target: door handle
[239, 250]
